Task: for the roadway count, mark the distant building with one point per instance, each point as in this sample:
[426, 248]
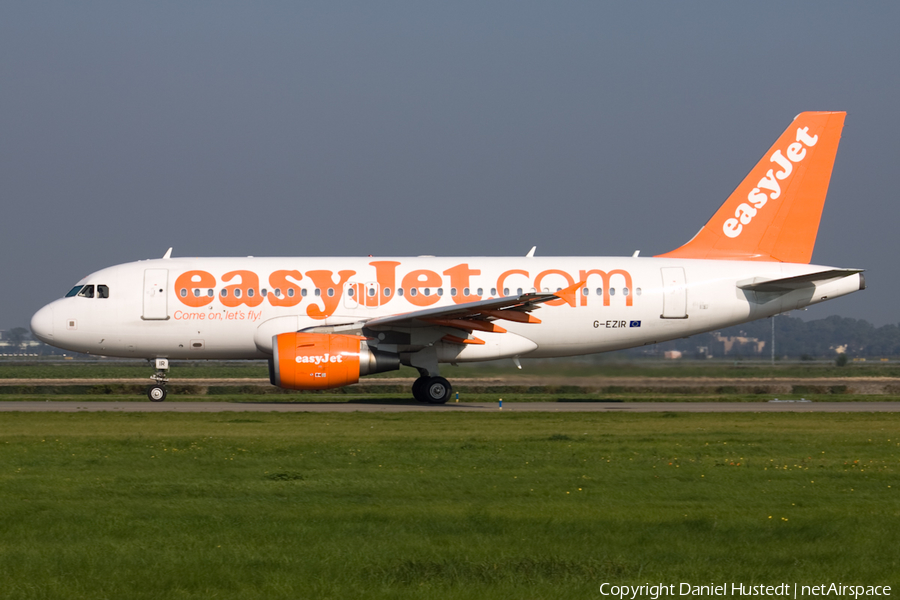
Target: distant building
[738, 343]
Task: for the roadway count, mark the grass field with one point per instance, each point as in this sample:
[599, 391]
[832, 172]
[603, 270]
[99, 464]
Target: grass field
[441, 505]
[401, 397]
[559, 368]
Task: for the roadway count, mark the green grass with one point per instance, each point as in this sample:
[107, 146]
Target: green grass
[558, 368]
[127, 370]
[497, 505]
[275, 395]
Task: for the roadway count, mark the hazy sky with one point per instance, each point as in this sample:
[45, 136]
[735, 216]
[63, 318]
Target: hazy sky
[447, 128]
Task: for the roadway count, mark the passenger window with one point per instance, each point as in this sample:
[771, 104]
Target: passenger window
[637, 291]
[330, 292]
[519, 291]
[612, 291]
[465, 291]
[440, 292]
[599, 291]
[250, 293]
[624, 291]
[291, 293]
[224, 292]
[387, 292]
[86, 292]
[102, 291]
[183, 293]
[427, 291]
[278, 292]
[350, 291]
[196, 292]
[264, 292]
[74, 291]
[237, 292]
[210, 293]
[317, 293]
[586, 292]
[413, 291]
[506, 291]
[399, 291]
[480, 291]
[371, 292]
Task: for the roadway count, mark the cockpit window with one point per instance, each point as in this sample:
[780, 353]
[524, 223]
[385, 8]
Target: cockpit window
[86, 292]
[102, 291]
[74, 291]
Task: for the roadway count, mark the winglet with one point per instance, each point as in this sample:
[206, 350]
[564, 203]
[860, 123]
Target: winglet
[569, 294]
[774, 214]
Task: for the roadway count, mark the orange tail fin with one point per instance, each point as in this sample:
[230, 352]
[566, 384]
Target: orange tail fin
[774, 213]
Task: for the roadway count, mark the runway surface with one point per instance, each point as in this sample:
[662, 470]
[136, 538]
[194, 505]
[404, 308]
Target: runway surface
[478, 407]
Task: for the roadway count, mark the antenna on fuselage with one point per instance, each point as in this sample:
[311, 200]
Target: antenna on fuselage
[168, 254]
[531, 252]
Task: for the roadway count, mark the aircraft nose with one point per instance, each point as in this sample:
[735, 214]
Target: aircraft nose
[42, 324]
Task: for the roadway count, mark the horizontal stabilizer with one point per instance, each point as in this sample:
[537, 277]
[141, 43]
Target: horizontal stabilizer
[787, 284]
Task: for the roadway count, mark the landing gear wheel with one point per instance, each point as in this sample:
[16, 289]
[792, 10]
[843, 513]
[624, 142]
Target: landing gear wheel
[156, 393]
[418, 389]
[437, 390]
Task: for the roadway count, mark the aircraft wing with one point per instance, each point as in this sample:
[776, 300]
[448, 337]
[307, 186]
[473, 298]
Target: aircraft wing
[510, 308]
[472, 316]
[786, 284]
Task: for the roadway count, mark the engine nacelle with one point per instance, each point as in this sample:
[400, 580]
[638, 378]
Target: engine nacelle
[319, 361]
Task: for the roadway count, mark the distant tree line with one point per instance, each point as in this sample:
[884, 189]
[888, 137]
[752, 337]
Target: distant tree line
[794, 338]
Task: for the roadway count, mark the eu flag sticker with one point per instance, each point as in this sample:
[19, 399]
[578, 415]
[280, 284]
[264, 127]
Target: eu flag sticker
[634, 323]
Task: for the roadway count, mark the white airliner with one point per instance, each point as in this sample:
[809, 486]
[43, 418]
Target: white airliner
[324, 322]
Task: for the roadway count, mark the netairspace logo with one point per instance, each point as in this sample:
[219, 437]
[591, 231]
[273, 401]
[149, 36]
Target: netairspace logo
[781, 590]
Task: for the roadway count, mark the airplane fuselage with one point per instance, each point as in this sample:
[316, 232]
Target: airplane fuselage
[229, 308]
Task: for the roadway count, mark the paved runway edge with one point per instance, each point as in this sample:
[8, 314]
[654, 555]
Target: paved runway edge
[477, 407]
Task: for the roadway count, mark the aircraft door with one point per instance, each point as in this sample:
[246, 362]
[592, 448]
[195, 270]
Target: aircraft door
[155, 294]
[674, 293]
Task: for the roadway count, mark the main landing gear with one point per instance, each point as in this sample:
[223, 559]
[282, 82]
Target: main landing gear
[434, 390]
[157, 392]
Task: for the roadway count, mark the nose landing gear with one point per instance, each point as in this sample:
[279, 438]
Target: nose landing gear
[157, 392]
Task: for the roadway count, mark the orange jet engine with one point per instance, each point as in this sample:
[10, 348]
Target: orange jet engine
[320, 361]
